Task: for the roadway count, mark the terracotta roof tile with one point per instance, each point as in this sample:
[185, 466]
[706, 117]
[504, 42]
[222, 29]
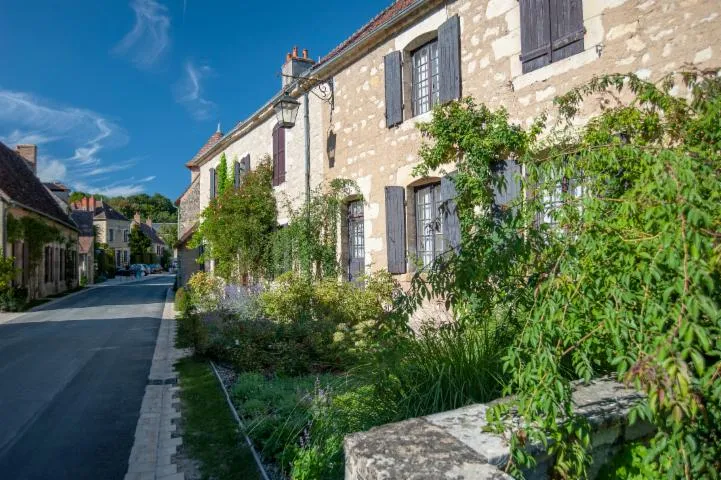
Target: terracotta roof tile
[214, 138]
[388, 14]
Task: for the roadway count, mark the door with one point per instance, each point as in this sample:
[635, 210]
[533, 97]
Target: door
[356, 240]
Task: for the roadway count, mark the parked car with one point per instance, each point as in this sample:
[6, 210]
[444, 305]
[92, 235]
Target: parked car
[138, 267]
[156, 268]
[124, 272]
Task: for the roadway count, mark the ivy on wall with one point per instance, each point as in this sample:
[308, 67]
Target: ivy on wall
[609, 264]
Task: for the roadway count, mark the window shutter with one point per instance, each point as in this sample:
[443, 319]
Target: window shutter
[394, 89]
[449, 57]
[535, 34]
[281, 155]
[396, 229]
[246, 164]
[213, 189]
[512, 189]
[451, 225]
[566, 28]
[275, 156]
[236, 174]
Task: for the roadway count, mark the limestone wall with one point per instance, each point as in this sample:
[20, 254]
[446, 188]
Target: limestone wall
[257, 140]
[452, 445]
[188, 209]
[648, 37]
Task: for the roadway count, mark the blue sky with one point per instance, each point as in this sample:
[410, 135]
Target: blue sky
[119, 94]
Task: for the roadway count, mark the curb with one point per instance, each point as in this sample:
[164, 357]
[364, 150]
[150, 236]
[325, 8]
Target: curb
[156, 441]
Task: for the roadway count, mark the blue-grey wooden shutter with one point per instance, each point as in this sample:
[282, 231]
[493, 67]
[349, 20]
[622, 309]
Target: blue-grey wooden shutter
[236, 174]
[449, 57]
[276, 169]
[213, 184]
[394, 89]
[451, 225]
[396, 229]
[566, 28]
[510, 170]
[535, 34]
[246, 164]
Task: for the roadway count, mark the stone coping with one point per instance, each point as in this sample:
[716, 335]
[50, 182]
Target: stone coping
[453, 445]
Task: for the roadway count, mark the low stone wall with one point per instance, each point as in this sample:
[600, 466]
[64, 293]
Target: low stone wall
[452, 445]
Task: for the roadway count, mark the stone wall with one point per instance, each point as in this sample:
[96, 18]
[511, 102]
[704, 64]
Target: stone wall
[188, 209]
[452, 445]
[648, 37]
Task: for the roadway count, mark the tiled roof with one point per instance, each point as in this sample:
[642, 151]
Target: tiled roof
[150, 233]
[84, 221]
[103, 211]
[386, 15]
[57, 187]
[214, 138]
[20, 184]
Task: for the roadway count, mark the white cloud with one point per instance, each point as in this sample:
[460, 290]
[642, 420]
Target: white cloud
[72, 141]
[129, 186]
[189, 91]
[149, 38]
[51, 169]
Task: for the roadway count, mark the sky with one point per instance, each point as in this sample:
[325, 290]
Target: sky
[119, 94]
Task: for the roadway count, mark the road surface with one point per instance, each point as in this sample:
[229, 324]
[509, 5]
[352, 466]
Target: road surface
[72, 378]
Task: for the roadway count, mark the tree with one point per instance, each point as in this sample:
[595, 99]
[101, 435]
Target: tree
[139, 244]
[238, 225]
[222, 174]
[608, 265]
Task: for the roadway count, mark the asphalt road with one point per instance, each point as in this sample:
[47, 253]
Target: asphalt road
[72, 378]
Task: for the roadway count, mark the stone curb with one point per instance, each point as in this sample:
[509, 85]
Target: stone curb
[156, 442]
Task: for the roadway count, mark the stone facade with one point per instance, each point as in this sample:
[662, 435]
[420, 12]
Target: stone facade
[647, 37]
[453, 445]
[188, 215]
[119, 242]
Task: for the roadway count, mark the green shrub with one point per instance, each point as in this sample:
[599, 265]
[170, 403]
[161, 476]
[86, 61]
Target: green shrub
[192, 333]
[182, 302]
[632, 463]
[205, 291]
[13, 299]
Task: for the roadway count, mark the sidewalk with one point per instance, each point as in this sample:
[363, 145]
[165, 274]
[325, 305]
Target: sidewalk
[151, 457]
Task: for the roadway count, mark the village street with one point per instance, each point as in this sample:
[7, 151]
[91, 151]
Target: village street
[72, 378]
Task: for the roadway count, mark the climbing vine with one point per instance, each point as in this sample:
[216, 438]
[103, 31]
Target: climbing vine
[608, 264]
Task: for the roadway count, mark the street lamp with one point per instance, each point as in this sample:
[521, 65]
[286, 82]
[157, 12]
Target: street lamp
[286, 110]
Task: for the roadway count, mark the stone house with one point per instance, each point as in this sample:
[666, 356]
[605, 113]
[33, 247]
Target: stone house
[86, 244]
[188, 216]
[516, 54]
[157, 245]
[112, 227]
[22, 196]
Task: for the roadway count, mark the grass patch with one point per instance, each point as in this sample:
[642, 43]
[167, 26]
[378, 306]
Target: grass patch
[210, 433]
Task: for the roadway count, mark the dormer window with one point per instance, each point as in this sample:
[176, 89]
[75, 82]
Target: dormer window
[426, 76]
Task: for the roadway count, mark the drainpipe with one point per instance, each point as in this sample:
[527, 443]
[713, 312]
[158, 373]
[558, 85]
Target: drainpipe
[3, 228]
[307, 170]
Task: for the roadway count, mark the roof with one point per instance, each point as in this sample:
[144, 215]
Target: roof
[85, 244]
[103, 211]
[187, 235]
[57, 187]
[84, 221]
[19, 184]
[388, 14]
[150, 232]
[214, 138]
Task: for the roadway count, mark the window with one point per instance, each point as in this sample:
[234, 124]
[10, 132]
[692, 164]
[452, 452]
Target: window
[117, 257]
[125, 236]
[47, 264]
[278, 155]
[553, 199]
[429, 223]
[125, 257]
[62, 264]
[551, 30]
[356, 240]
[426, 76]
[111, 235]
[213, 184]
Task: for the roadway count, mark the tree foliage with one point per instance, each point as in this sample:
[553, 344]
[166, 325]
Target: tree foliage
[608, 264]
[139, 244]
[237, 227]
[158, 207]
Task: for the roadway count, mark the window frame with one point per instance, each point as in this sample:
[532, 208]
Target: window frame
[423, 222]
[432, 98]
[355, 234]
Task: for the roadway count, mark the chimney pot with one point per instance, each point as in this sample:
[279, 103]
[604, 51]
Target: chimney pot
[295, 52]
[288, 57]
[305, 53]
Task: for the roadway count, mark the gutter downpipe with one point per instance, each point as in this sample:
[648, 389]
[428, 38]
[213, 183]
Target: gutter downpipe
[307, 169]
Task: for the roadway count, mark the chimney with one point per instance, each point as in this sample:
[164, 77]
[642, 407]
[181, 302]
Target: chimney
[295, 66]
[92, 205]
[149, 222]
[136, 217]
[30, 154]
